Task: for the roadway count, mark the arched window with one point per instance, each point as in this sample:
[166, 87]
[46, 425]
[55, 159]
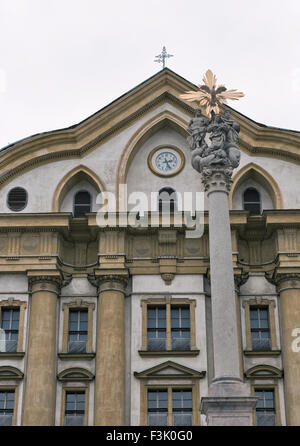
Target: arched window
[82, 203]
[252, 201]
[167, 200]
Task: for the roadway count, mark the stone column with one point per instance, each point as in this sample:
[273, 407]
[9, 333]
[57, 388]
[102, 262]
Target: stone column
[288, 286]
[110, 351]
[40, 384]
[228, 401]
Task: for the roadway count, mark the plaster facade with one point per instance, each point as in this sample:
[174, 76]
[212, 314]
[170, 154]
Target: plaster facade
[52, 262]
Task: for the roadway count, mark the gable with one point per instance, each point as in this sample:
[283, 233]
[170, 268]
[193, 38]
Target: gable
[169, 369]
[164, 87]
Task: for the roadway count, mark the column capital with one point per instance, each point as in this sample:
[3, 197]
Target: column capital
[217, 179]
[108, 280]
[44, 281]
[285, 281]
[240, 279]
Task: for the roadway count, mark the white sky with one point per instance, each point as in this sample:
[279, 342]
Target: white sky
[62, 60]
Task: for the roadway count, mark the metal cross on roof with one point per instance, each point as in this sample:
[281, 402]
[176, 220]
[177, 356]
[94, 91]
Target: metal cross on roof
[161, 58]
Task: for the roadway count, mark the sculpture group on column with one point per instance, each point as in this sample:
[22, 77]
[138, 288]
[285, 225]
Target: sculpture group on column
[214, 141]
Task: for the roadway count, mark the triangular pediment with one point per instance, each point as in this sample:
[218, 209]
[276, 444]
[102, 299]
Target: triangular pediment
[169, 369]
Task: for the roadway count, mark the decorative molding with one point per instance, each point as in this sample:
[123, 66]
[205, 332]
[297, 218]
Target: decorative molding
[287, 281]
[154, 354]
[180, 372]
[173, 172]
[262, 353]
[168, 278]
[271, 305]
[77, 304]
[77, 374]
[165, 86]
[77, 356]
[216, 179]
[66, 183]
[9, 372]
[270, 184]
[22, 305]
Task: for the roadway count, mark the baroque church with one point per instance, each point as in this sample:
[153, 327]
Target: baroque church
[112, 325]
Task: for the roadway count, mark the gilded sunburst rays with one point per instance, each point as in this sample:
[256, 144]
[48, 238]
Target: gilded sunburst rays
[210, 96]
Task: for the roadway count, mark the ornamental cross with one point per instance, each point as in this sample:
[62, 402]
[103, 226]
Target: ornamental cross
[161, 58]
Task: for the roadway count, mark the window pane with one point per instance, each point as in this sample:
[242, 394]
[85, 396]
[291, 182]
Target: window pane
[83, 326]
[264, 314]
[161, 323]
[84, 315]
[157, 419]
[253, 314]
[5, 315]
[251, 194]
[73, 326]
[16, 314]
[70, 397]
[151, 313]
[264, 323]
[162, 313]
[73, 315]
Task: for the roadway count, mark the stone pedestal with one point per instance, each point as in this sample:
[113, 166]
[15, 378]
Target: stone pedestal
[40, 385]
[110, 357]
[228, 402]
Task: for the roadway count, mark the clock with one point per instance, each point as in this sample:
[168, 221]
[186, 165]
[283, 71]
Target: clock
[166, 161]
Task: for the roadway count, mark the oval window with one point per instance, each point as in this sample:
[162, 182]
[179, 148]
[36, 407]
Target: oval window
[17, 199]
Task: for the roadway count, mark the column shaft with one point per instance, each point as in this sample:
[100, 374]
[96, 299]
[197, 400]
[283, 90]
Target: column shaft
[225, 335]
[110, 357]
[290, 320]
[39, 400]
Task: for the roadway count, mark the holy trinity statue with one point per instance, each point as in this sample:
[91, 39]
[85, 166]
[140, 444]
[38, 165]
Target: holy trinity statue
[213, 140]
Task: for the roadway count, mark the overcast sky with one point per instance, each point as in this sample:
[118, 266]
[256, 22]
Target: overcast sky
[62, 60]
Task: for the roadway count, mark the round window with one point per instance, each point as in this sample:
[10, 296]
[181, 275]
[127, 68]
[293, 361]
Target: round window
[17, 199]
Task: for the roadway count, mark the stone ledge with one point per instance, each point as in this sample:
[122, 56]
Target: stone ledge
[262, 353]
[169, 353]
[12, 355]
[87, 356]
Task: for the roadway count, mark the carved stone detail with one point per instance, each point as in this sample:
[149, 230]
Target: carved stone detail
[168, 278]
[43, 280]
[217, 178]
[284, 281]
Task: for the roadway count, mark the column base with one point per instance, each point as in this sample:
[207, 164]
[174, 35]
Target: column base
[228, 403]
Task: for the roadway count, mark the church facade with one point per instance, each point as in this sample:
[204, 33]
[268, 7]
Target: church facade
[110, 324]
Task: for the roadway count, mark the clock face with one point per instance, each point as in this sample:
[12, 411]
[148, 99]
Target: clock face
[166, 161]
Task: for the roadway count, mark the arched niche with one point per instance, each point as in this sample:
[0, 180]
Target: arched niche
[255, 176]
[79, 178]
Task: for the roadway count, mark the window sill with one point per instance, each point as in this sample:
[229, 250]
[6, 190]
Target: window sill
[169, 353]
[12, 355]
[87, 356]
[262, 353]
